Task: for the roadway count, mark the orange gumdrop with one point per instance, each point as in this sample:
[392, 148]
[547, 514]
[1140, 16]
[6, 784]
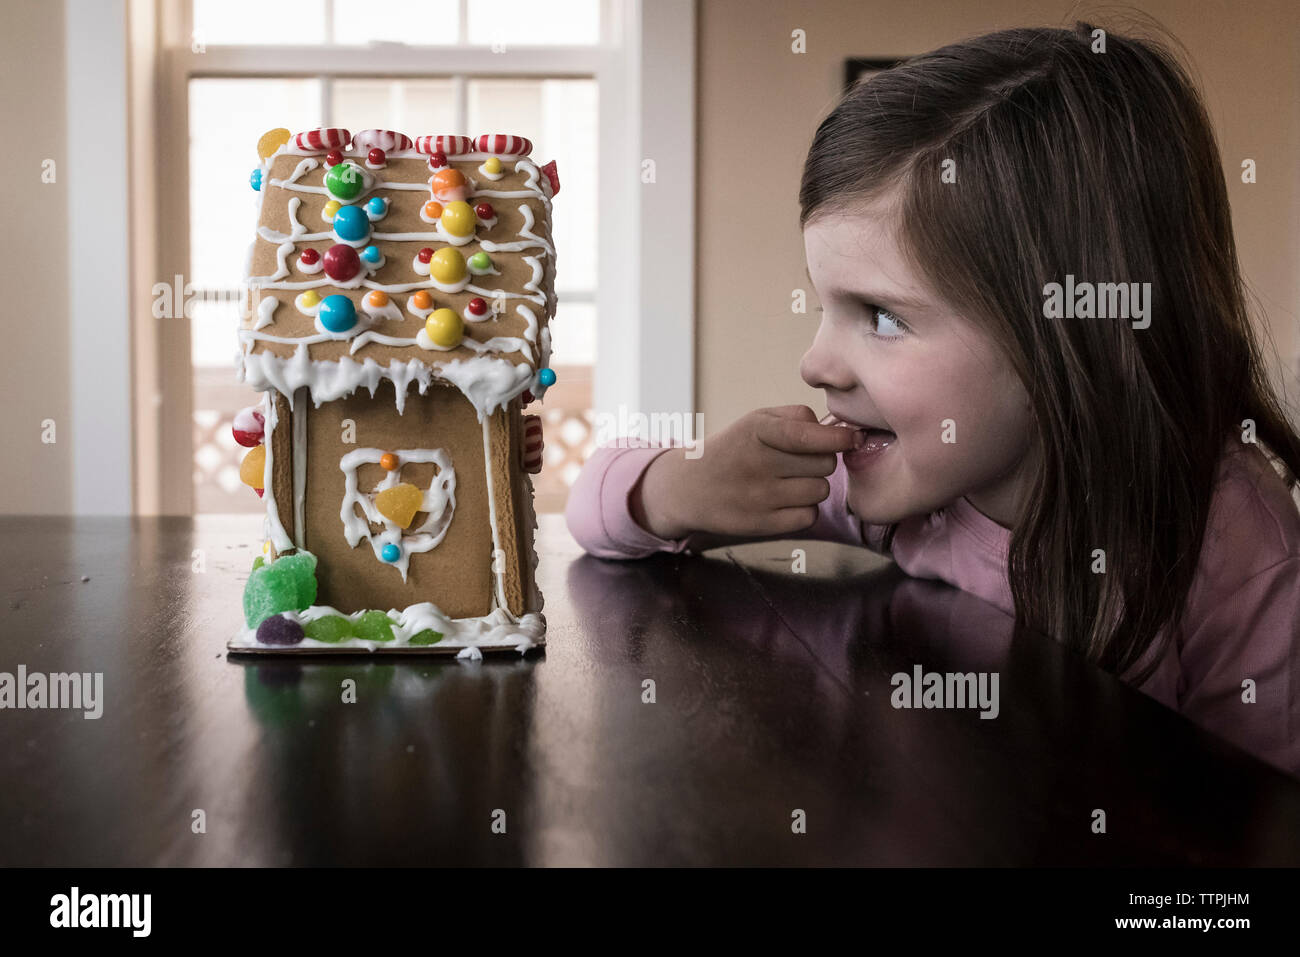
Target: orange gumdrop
[433, 209]
[388, 461]
[379, 298]
[448, 179]
[422, 299]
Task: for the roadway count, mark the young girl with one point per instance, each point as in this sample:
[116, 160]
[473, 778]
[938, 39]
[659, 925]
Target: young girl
[1115, 472]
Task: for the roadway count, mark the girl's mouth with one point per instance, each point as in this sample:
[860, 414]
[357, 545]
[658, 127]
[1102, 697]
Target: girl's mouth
[877, 441]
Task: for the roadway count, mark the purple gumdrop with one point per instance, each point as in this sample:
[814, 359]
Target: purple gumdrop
[279, 630]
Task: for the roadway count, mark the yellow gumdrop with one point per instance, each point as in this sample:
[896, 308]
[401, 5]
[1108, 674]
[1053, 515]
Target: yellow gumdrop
[253, 468]
[447, 265]
[458, 218]
[331, 209]
[493, 165]
[271, 141]
[445, 327]
[399, 503]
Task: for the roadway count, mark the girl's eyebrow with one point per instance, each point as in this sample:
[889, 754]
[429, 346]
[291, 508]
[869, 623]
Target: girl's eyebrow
[904, 303]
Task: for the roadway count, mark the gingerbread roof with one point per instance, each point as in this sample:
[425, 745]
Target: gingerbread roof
[382, 256]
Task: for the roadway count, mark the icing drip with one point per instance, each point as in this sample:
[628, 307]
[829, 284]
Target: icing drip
[275, 530]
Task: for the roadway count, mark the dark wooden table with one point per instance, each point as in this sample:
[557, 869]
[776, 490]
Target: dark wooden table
[771, 697]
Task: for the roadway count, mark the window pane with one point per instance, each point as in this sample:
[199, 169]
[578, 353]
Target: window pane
[226, 119]
[559, 116]
[413, 107]
[256, 21]
[400, 21]
[531, 22]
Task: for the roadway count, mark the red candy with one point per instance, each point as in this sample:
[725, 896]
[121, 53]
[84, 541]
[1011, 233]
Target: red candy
[438, 160]
[376, 157]
[527, 397]
[552, 174]
[503, 144]
[260, 492]
[333, 158]
[485, 211]
[248, 427]
[342, 262]
[477, 306]
[308, 257]
[322, 139]
[425, 255]
[455, 145]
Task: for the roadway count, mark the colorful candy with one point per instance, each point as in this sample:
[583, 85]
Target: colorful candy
[399, 504]
[255, 179]
[390, 552]
[372, 255]
[445, 328]
[424, 255]
[331, 210]
[449, 186]
[458, 219]
[376, 207]
[376, 157]
[286, 584]
[248, 427]
[309, 257]
[351, 222]
[493, 165]
[252, 470]
[378, 298]
[310, 298]
[279, 630]
[503, 144]
[388, 461]
[485, 211]
[477, 306]
[337, 313]
[480, 262]
[546, 377]
[437, 160]
[344, 181]
[333, 158]
[447, 265]
[341, 262]
[272, 140]
[432, 210]
[422, 300]
[553, 176]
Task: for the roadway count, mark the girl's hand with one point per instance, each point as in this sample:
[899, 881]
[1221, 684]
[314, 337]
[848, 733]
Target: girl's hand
[764, 474]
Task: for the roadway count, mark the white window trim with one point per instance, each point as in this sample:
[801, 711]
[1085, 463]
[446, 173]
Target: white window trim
[645, 323]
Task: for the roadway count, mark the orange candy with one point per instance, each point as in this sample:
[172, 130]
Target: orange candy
[388, 461]
[433, 209]
[448, 179]
[378, 298]
[422, 299]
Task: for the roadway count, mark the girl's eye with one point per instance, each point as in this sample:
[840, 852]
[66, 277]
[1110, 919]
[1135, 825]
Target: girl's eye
[888, 325]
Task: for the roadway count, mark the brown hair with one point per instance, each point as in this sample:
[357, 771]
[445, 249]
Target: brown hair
[1102, 165]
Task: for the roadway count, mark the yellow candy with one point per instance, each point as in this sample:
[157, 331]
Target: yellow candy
[266, 547]
[493, 165]
[399, 503]
[445, 327]
[331, 208]
[447, 265]
[271, 141]
[458, 218]
[253, 468]
[310, 298]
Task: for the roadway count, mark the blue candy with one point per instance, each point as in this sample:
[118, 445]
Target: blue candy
[390, 552]
[337, 314]
[376, 207]
[255, 180]
[546, 376]
[371, 254]
[351, 223]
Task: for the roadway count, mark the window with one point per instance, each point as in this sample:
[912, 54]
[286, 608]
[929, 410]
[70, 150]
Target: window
[241, 78]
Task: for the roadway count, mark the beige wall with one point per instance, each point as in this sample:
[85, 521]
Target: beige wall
[35, 477]
[760, 103]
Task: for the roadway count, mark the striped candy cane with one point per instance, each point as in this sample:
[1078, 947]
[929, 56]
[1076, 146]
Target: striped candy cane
[502, 144]
[450, 145]
[327, 138]
[532, 444]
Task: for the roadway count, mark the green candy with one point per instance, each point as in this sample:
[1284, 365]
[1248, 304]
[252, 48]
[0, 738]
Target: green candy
[344, 181]
[286, 584]
[258, 562]
[331, 628]
[480, 260]
[426, 637]
[373, 626]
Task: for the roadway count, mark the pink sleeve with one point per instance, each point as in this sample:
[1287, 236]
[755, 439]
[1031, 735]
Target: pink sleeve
[601, 521]
[1253, 633]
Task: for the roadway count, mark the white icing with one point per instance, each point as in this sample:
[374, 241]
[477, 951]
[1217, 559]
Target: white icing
[314, 268]
[483, 171]
[299, 477]
[274, 529]
[439, 502]
[266, 311]
[496, 630]
[498, 567]
[387, 311]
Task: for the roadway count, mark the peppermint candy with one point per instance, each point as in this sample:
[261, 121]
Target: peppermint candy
[322, 140]
[502, 144]
[532, 450]
[450, 145]
[385, 140]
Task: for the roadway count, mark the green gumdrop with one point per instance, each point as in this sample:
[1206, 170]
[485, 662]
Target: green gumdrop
[373, 626]
[300, 568]
[258, 562]
[268, 594]
[331, 628]
[426, 637]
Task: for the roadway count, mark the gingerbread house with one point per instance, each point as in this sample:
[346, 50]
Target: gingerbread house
[396, 320]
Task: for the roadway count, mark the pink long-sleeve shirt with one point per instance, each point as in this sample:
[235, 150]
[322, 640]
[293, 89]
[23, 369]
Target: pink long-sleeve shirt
[1242, 620]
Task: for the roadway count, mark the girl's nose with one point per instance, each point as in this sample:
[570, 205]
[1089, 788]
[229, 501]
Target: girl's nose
[823, 366]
